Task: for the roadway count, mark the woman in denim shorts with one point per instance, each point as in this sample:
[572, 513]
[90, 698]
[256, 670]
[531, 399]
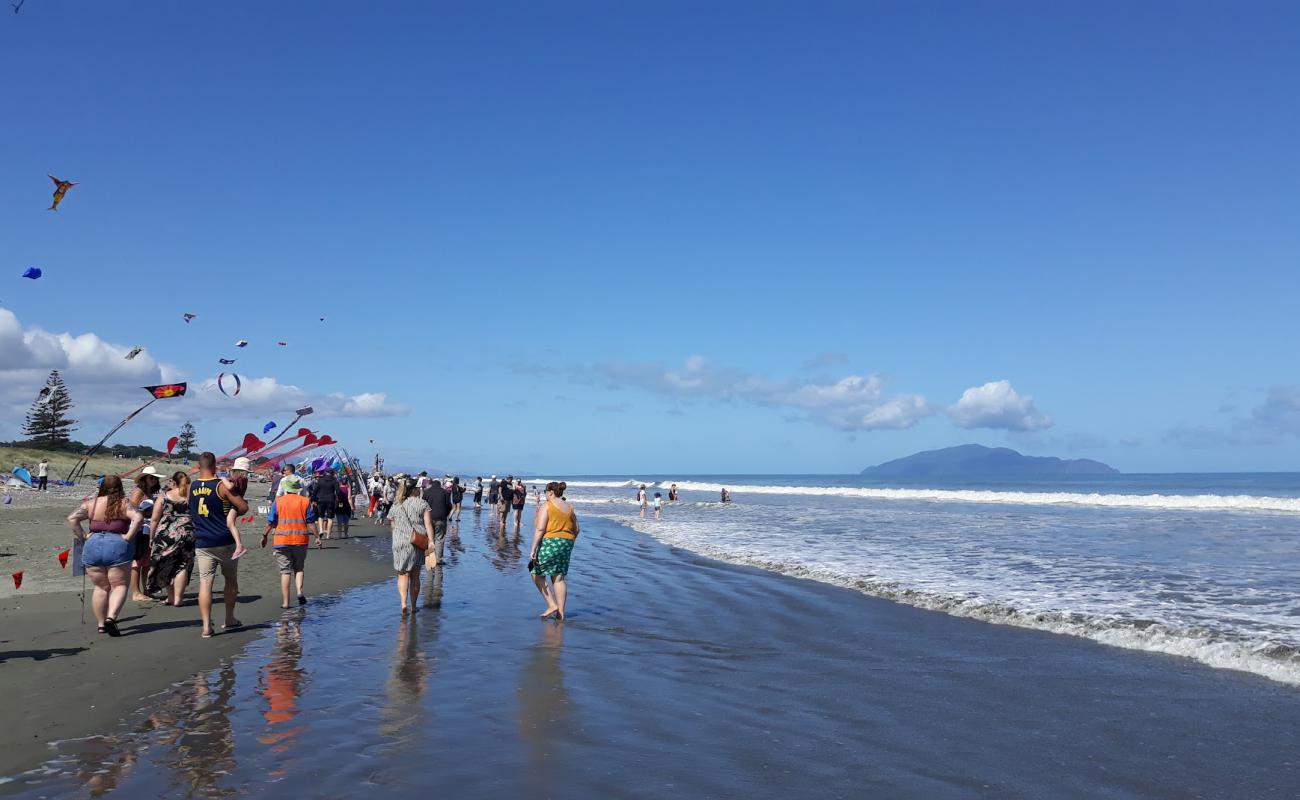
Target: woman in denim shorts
[110, 549]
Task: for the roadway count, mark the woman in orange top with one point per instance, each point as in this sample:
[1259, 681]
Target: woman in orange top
[555, 532]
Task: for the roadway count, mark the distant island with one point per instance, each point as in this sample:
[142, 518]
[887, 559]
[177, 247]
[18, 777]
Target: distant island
[976, 460]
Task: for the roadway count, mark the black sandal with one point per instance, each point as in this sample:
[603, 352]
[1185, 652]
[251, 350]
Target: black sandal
[110, 627]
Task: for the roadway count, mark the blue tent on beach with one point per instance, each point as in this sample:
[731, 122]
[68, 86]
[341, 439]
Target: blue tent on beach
[23, 475]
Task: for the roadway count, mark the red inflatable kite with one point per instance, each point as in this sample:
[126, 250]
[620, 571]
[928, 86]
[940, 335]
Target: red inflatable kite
[63, 558]
[18, 579]
[171, 444]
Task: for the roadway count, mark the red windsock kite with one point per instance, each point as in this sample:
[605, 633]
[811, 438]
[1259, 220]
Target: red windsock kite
[171, 444]
[63, 558]
[18, 579]
[250, 444]
[272, 446]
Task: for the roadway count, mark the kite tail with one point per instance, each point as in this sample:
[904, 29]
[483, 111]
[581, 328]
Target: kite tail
[81, 465]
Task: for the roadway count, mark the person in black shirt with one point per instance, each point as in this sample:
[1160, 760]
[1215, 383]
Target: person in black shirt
[326, 498]
[440, 502]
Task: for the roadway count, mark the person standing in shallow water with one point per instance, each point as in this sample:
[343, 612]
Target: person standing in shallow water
[554, 534]
[409, 513]
[640, 499]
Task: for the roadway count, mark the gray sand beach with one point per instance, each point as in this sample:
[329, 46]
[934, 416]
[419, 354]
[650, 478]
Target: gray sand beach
[679, 675]
[64, 680]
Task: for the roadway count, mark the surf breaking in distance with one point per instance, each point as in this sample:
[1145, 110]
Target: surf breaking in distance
[1202, 567]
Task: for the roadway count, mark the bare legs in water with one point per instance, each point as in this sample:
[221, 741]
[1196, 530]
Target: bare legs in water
[554, 595]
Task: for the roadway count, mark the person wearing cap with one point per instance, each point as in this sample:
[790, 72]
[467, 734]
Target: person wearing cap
[147, 484]
[290, 517]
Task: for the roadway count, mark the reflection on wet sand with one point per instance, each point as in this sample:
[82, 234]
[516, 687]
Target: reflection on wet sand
[203, 752]
[282, 682]
[506, 550]
[402, 717]
[545, 713]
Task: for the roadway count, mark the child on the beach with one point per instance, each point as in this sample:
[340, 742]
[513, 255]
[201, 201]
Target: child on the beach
[343, 514]
[238, 486]
[659, 506]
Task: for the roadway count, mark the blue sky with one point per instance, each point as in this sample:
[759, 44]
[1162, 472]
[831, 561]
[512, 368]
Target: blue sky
[665, 237]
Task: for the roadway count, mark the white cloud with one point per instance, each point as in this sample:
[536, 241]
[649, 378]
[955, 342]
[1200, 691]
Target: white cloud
[105, 385]
[997, 405]
[854, 402]
[264, 395]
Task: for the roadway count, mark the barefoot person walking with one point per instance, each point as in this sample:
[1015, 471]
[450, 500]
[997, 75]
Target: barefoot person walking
[108, 552]
[410, 515]
[556, 531]
[210, 499]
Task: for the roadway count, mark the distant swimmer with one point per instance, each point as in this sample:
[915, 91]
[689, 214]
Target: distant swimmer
[659, 506]
[640, 499]
[726, 496]
[672, 493]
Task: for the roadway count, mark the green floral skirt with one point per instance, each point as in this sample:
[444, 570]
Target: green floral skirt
[553, 557]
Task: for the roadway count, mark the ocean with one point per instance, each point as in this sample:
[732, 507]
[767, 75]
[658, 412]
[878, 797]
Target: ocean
[1201, 566]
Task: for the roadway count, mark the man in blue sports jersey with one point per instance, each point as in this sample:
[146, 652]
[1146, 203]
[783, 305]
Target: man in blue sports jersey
[211, 498]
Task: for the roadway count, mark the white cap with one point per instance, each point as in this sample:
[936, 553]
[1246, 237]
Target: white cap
[242, 463]
[149, 470]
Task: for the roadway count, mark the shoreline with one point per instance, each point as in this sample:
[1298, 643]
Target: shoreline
[679, 672]
[64, 681]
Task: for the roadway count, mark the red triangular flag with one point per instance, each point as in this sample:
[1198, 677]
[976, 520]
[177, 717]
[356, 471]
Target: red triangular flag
[18, 579]
[63, 558]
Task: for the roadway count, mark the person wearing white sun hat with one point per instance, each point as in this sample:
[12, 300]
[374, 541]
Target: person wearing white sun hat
[147, 485]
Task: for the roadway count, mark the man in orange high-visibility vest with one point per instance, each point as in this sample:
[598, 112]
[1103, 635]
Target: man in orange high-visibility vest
[290, 517]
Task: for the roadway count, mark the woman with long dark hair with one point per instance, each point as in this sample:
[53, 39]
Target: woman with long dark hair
[109, 549]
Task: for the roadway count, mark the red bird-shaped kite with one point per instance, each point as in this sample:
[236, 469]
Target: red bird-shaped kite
[60, 189]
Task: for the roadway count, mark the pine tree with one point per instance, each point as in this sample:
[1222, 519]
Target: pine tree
[185, 440]
[47, 424]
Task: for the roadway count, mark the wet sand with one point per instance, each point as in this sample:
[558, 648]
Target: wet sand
[62, 679]
[678, 675]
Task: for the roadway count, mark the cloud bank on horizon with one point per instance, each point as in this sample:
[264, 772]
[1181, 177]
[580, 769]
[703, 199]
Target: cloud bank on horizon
[850, 403]
[104, 383]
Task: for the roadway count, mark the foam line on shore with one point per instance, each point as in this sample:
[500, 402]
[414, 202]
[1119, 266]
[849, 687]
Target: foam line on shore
[1221, 650]
[1162, 502]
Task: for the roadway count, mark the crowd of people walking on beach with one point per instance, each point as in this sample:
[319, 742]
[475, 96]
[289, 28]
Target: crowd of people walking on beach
[151, 540]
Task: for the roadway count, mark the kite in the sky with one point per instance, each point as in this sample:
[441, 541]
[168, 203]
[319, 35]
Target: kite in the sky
[267, 427]
[135, 351]
[221, 384]
[226, 361]
[322, 319]
[164, 390]
[43, 396]
[32, 272]
[189, 317]
[60, 189]
[18, 6]
[283, 344]
[241, 343]
[171, 444]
